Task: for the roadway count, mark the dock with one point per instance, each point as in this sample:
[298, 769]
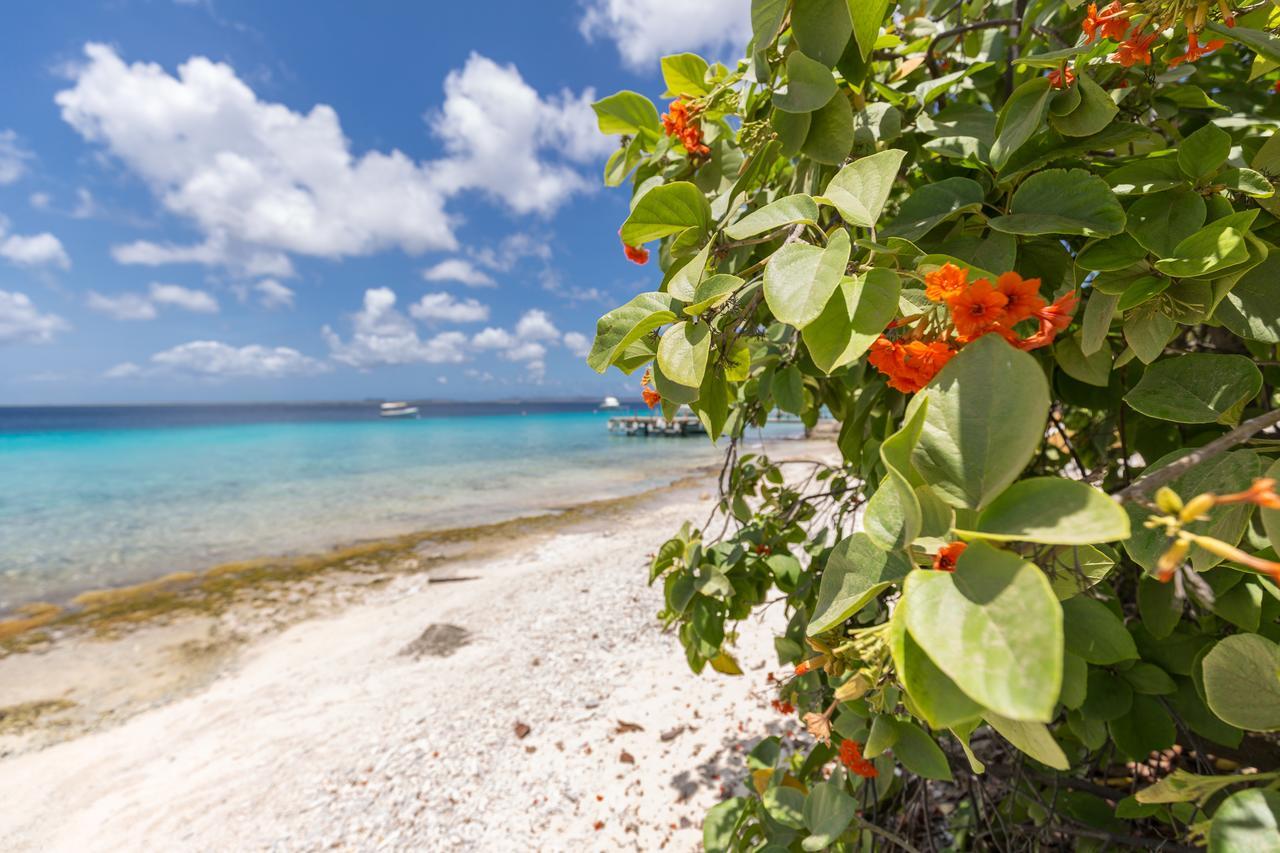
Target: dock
[646, 425]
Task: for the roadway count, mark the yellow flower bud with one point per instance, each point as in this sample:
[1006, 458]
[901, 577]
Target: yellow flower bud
[1171, 559]
[854, 688]
[1196, 508]
[1168, 501]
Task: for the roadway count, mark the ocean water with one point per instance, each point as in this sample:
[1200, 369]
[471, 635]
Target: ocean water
[92, 497]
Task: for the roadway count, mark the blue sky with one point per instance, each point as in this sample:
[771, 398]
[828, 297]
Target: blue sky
[235, 200]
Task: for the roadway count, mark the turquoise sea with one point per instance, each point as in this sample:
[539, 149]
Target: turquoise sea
[93, 497]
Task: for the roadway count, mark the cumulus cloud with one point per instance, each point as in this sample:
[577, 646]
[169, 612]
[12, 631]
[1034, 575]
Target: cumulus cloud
[35, 250]
[527, 344]
[20, 322]
[215, 359]
[185, 298]
[535, 325]
[444, 307]
[383, 335]
[123, 370]
[262, 182]
[124, 306]
[577, 343]
[646, 30]
[139, 306]
[273, 294]
[459, 270]
[13, 158]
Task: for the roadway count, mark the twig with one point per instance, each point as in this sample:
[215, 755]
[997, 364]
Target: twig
[1148, 483]
[932, 62]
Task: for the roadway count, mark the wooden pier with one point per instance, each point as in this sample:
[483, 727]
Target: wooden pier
[646, 425]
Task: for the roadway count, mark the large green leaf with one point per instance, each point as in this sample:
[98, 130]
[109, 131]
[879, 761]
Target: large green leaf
[1145, 728]
[1251, 308]
[1182, 786]
[1052, 511]
[987, 411]
[1022, 115]
[1094, 369]
[665, 210]
[1150, 175]
[712, 291]
[1160, 221]
[919, 753]
[860, 189]
[809, 85]
[1242, 682]
[624, 325]
[1259, 41]
[828, 810]
[1147, 329]
[1096, 110]
[830, 136]
[1247, 822]
[1216, 246]
[822, 28]
[893, 517]
[867, 16]
[685, 75]
[1062, 201]
[994, 627]
[683, 351]
[800, 278]
[719, 824]
[856, 314]
[934, 696]
[1094, 633]
[1033, 738]
[1203, 152]
[683, 279]
[766, 20]
[856, 572]
[1196, 388]
[784, 211]
[933, 203]
[785, 805]
[627, 113]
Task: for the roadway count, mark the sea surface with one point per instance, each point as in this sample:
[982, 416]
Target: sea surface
[94, 497]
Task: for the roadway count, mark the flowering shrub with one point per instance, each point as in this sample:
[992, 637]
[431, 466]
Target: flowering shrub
[1025, 255]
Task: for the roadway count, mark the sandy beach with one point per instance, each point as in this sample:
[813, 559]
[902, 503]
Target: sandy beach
[519, 695]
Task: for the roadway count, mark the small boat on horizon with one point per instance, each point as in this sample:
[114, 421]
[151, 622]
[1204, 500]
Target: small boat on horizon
[610, 403]
[398, 409]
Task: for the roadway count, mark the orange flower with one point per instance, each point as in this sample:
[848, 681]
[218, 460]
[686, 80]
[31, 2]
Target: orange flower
[678, 123]
[1061, 79]
[1195, 50]
[945, 283]
[910, 365]
[635, 254]
[651, 397]
[1023, 295]
[1112, 22]
[1053, 320]
[783, 707]
[811, 664]
[851, 757]
[1134, 51]
[978, 310]
[1262, 493]
[676, 117]
[945, 560]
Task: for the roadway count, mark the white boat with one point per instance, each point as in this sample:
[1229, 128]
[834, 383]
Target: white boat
[398, 410]
[610, 403]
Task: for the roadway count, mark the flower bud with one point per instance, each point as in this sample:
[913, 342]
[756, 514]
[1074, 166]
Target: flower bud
[811, 664]
[1196, 507]
[1168, 501]
[854, 688]
[1171, 559]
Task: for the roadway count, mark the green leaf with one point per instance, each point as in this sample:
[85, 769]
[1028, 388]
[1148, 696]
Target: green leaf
[893, 516]
[627, 113]
[672, 391]
[1242, 682]
[666, 210]
[1145, 729]
[933, 695]
[822, 28]
[720, 823]
[827, 810]
[712, 291]
[683, 281]
[933, 203]
[809, 86]
[792, 129]
[1095, 112]
[1271, 517]
[856, 314]
[994, 627]
[1247, 822]
[788, 389]
[1249, 308]
[1107, 698]
[860, 189]
[685, 75]
[1147, 330]
[1022, 115]
[830, 136]
[1259, 41]
[1218, 245]
[1149, 679]
[867, 16]
[1076, 568]
[1093, 369]
[1182, 786]
[1248, 182]
[800, 278]
[784, 211]
[624, 325]
[766, 20]
[683, 351]
[1062, 201]
[1159, 606]
[1112, 253]
[1196, 388]
[1160, 221]
[712, 406]
[1051, 511]
[785, 805]
[1203, 152]
[1098, 313]
[986, 416]
[1151, 175]
[919, 753]
[1032, 738]
[1094, 633]
[856, 572]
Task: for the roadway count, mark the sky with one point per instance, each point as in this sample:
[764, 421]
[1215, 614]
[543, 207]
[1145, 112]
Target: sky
[218, 200]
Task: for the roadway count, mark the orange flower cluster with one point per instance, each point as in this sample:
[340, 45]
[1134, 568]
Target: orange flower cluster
[976, 308]
[679, 122]
[807, 666]
[1135, 48]
[783, 707]
[851, 757]
[1062, 78]
[945, 559]
[651, 397]
[635, 254]
[1262, 493]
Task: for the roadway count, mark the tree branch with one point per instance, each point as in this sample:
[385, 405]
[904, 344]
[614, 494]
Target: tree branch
[932, 62]
[1148, 483]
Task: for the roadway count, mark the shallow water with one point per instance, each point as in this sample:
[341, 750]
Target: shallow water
[92, 497]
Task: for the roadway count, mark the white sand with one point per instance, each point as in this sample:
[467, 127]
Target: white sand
[324, 736]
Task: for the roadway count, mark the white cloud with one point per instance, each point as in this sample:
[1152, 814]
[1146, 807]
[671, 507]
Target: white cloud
[525, 345]
[261, 181]
[86, 207]
[511, 250]
[383, 335]
[460, 270]
[443, 306]
[577, 343]
[273, 294]
[535, 325]
[40, 201]
[36, 250]
[185, 298]
[13, 158]
[646, 30]
[123, 370]
[20, 322]
[124, 306]
[218, 360]
[492, 338]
